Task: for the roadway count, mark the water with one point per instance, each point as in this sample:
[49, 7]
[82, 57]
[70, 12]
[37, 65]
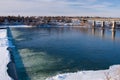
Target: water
[49, 51]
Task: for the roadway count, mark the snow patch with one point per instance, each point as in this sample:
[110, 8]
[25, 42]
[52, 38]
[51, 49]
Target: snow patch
[113, 73]
[4, 55]
[19, 26]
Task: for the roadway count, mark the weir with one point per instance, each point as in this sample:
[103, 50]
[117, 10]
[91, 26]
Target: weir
[11, 66]
[17, 60]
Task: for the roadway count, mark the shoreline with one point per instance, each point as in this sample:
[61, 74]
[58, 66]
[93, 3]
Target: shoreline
[113, 73]
[8, 67]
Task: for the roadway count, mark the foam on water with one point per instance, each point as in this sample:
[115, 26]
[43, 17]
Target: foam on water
[4, 55]
[113, 73]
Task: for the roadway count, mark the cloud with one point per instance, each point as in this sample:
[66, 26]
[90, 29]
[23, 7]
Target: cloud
[57, 7]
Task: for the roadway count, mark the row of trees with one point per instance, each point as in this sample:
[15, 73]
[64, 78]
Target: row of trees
[34, 20]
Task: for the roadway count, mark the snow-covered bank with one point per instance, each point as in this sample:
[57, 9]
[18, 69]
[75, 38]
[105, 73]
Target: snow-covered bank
[19, 26]
[113, 73]
[4, 55]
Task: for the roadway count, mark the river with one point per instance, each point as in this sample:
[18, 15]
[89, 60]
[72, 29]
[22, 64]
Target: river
[46, 52]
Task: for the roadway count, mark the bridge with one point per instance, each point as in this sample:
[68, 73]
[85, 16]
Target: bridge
[114, 22]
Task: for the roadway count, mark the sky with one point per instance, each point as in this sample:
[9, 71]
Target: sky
[104, 8]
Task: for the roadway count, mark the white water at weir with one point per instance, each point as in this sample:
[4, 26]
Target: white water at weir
[4, 55]
[113, 73]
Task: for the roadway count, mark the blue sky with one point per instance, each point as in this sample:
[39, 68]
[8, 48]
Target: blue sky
[108, 8]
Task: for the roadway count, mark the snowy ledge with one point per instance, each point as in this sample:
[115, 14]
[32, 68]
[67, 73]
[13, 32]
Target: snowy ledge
[113, 73]
[4, 55]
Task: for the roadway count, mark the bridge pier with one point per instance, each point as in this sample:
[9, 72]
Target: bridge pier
[103, 24]
[94, 24]
[113, 25]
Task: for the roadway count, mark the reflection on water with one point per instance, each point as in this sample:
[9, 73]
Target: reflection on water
[48, 51]
[103, 33]
[113, 34]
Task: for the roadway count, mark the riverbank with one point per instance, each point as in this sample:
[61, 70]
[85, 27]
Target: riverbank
[4, 55]
[7, 68]
[113, 73]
